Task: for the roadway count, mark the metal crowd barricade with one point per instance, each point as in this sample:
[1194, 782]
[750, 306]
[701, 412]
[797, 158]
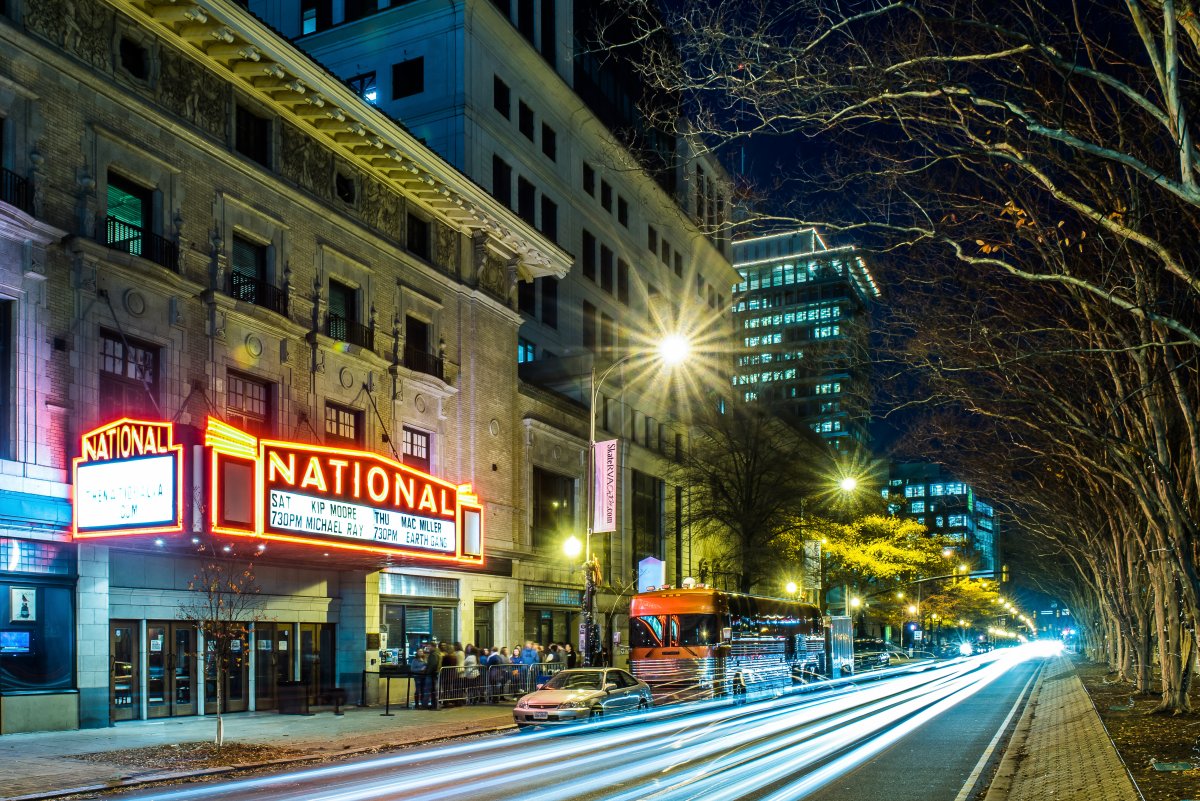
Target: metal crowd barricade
[485, 684]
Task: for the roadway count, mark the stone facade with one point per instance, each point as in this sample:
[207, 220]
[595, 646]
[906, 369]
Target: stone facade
[384, 291]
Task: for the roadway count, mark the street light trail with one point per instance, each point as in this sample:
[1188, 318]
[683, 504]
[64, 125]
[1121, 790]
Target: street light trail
[779, 748]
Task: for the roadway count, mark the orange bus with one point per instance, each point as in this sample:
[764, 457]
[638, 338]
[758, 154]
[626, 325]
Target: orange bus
[703, 642]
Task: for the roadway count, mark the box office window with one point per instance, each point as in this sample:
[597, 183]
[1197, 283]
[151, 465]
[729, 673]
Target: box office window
[37, 616]
[408, 626]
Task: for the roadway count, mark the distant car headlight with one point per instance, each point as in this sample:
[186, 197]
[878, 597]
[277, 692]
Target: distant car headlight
[965, 649]
[573, 705]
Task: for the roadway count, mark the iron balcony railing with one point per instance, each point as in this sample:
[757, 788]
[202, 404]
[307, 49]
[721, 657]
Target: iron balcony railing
[422, 362]
[355, 333]
[16, 191]
[249, 289]
[120, 235]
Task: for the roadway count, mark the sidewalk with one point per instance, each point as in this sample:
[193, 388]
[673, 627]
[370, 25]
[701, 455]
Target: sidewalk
[1060, 749]
[41, 764]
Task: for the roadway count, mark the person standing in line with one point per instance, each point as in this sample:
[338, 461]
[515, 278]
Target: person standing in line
[417, 666]
[470, 673]
[433, 671]
[571, 657]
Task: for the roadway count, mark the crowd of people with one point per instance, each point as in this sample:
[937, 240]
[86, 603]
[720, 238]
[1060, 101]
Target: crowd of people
[449, 673]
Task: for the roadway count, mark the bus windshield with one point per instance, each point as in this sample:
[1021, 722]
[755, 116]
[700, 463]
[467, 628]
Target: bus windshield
[666, 631]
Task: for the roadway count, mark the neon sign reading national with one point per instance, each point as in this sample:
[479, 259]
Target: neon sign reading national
[128, 480]
[338, 497]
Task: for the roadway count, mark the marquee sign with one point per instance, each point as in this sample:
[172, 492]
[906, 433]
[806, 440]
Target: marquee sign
[338, 497]
[128, 480]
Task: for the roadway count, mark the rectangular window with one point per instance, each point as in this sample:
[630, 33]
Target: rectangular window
[526, 21]
[417, 236]
[914, 491]
[916, 507]
[247, 403]
[589, 256]
[679, 265]
[527, 298]
[666, 252]
[501, 97]
[526, 351]
[589, 179]
[7, 346]
[343, 322]
[129, 215]
[343, 425]
[549, 32]
[699, 285]
[553, 514]
[623, 281]
[408, 78]
[129, 376]
[623, 211]
[364, 86]
[549, 142]
[248, 276]
[606, 195]
[252, 136]
[549, 219]
[416, 449]
[606, 269]
[315, 15]
[646, 517]
[549, 301]
[526, 201]
[608, 333]
[651, 239]
[589, 326]
[501, 181]
[525, 120]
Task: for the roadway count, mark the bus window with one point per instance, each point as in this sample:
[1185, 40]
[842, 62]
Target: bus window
[646, 632]
[697, 630]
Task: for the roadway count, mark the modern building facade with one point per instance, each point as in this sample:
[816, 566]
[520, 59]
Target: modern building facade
[802, 310]
[516, 95]
[245, 317]
[926, 493]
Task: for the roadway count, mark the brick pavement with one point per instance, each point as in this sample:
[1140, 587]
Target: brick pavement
[1060, 749]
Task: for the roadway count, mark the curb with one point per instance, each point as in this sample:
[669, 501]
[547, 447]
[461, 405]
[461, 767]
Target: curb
[156, 778]
[1002, 782]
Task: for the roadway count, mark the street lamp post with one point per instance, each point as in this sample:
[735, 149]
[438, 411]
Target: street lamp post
[671, 350]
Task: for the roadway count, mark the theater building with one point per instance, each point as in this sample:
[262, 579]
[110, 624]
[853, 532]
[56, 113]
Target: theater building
[246, 318]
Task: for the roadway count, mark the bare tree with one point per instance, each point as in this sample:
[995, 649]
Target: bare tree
[227, 601]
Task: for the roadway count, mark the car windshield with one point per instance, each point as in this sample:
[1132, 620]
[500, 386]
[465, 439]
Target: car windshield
[575, 680]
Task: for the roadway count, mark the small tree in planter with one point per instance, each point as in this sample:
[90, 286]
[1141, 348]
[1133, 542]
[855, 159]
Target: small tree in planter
[227, 601]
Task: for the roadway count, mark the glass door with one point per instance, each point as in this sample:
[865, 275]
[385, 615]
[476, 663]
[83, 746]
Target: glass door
[124, 700]
[234, 696]
[170, 669]
[316, 658]
[272, 662]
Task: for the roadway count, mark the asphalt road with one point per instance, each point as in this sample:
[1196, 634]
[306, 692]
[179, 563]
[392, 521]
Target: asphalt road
[914, 736]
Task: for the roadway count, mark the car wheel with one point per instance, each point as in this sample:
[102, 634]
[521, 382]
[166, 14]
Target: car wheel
[643, 705]
[597, 713]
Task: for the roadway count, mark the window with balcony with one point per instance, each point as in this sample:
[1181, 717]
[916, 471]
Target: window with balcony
[248, 276]
[248, 403]
[343, 322]
[343, 425]
[418, 348]
[553, 514]
[128, 376]
[416, 449]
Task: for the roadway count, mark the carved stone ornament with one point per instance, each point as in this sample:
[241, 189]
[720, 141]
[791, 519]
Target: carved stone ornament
[383, 209]
[446, 248]
[135, 302]
[254, 346]
[419, 402]
[191, 92]
[305, 162]
[82, 27]
[346, 378]
[494, 276]
[494, 427]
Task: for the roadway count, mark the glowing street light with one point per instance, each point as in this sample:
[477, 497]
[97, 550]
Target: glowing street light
[572, 547]
[848, 484]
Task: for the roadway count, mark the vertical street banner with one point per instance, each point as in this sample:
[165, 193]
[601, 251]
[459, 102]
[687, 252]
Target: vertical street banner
[604, 462]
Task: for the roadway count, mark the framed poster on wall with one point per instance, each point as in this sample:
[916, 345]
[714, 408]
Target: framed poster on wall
[22, 602]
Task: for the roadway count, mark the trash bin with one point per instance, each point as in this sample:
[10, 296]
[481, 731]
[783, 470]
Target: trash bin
[293, 698]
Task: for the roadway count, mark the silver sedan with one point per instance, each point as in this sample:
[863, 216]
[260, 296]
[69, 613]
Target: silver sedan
[580, 694]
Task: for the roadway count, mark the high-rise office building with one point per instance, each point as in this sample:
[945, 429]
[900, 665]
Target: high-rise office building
[802, 312]
[926, 493]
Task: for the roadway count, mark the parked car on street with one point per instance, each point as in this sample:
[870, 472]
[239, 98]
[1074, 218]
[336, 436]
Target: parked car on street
[871, 654]
[581, 694]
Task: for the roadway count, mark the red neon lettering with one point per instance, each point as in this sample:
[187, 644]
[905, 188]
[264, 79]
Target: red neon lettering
[313, 475]
[427, 501]
[407, 490]
[372, 474]
[276, 467]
